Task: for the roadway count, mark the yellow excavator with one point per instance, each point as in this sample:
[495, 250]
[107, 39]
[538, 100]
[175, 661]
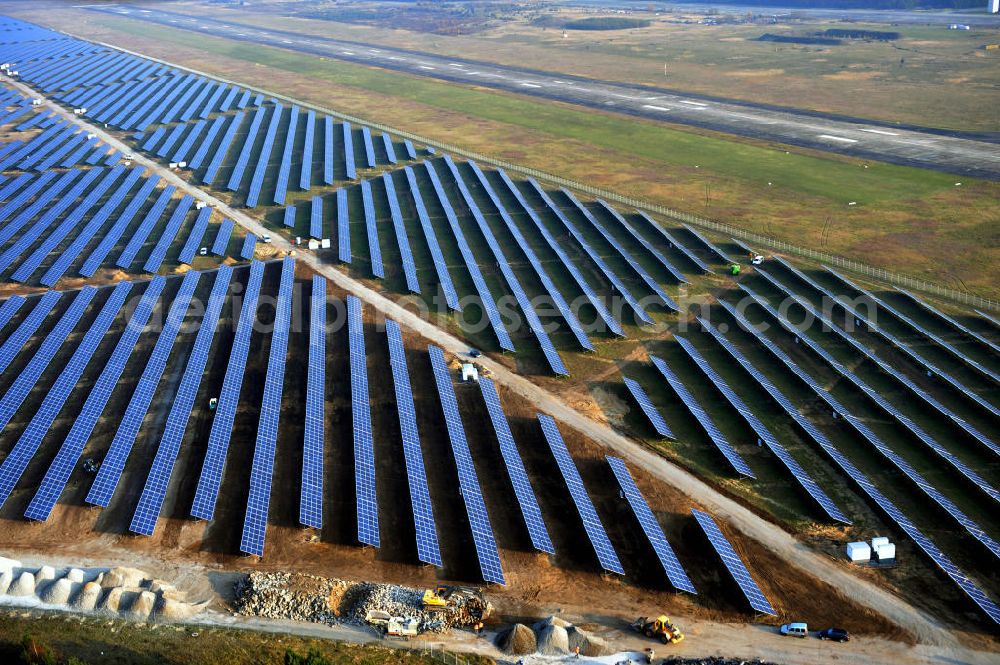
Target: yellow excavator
[658, 627]
[436, 600]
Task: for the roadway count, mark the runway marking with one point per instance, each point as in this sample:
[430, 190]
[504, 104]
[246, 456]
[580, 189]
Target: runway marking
[530, 85]
[348, 52]
[455, 64]
[842, 139]
[654, 108]
[425, 67]
[880, 131]
[684, 101]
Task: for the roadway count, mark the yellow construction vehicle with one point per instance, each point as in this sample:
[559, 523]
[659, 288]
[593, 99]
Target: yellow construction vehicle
[436, 600]
[658, 627]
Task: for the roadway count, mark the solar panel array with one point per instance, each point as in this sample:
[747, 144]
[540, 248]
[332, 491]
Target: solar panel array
[311, 499]
[606, 554]
[210, 478]
[281, 187]
[262, 469]
[361, 417]
[174, 223]
[639, 238]
[515, 469]
[406, 255]
[195, 236]
[305, 174]
[764, 434]
[343, 227]
[733, 563]
[654, 533]
[113, 464]
[722, 256]
[69, 453]
[221, 241]
[17, 339]
[428, 549]
[371, 225]
[440, 266]
[703, 419]
[155, 489]
[648, 408]
[472, 495]
[249, 245]
[674, 244]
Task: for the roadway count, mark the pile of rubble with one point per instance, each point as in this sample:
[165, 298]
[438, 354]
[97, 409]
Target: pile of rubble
[551, 637]
[712, 660]
[326, 600]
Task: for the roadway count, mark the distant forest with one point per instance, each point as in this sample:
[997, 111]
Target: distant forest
[856, 4]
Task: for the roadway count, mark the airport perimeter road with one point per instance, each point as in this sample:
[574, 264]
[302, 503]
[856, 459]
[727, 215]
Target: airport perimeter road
[940, 151]
[783, 544]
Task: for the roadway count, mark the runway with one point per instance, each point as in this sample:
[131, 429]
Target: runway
[951, 152]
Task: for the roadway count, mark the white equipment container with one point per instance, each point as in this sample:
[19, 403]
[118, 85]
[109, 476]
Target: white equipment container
[859, 552]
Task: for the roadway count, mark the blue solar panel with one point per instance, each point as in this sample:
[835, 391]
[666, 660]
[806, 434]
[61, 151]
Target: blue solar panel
[364, 445]
[390, 151]
[595, 258]
[17, 203]
[31, 438]
[109, 240]
[9, 308]
[475, 508]
[153, 139]
[704, 421]
[315, 217]
[765, 435]
[409, 269]
[349, 152]
[210, 478]
[648, 246]
[221, 241]
[428, 550]
[366, 137]
[515, 469]
[174, 223]
[262, 471]
[954, 323]
[206, 143]
[534, 261]
[411, 153]
[236, 177]
[140, 235]
[257, 181]
[343, 228]
[10, 188]
[69, 453]
[527, 308]
[284, 170]
[444, 279]
[371, 225]
[733, 563]
[672, 242]
[328, 150]
[305, 174]
[311, 499]
[155, 489]
[289, 217]
[114, 461]
[622, 252]
[866, 432]
[172, 138]
[655, 419]
[606, 554]
[901, 520]
[647, 520]
[17, 339]
[596, 301]
[486, 298]
[249, 244]
[194, 237]
[184, 148]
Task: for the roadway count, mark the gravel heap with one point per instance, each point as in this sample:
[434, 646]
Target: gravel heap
[712, 660]
[550, 637]
[326, 600]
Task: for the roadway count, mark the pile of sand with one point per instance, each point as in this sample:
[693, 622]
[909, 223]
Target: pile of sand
[551, 637]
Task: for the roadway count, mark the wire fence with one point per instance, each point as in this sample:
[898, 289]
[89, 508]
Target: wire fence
[858, 267]
[446, 657]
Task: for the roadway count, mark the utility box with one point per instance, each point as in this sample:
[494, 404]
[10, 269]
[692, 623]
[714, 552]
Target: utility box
[313, 243]
[879, 541]
[469, 372]
[885, 553]
[325, 243]
[859, 552]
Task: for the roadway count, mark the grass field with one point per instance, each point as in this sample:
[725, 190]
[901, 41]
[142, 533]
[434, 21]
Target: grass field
[909, 220]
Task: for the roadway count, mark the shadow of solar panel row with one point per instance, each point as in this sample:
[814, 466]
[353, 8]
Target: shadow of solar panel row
[647, 521]
[440, 266]
[371, 227]
[595, 301]
[648, 408]
[150, 502]
[428, 549]
[311, 497]
[530, 511]
[210, 478]
[650, 283]
[472, 495]
[113, 464]
[550, 288]
[405, 253]
[930, 369]
[482, 289]
[733, 563]
[364, 443]
[606, 554]
[764, 434]
[908, 423]
[704, 421]
[534, 323]
[66, 458]
[866, 433]
[262, 469]
[886, 368]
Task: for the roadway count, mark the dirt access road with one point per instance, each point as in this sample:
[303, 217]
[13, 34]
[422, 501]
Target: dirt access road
[782, 544]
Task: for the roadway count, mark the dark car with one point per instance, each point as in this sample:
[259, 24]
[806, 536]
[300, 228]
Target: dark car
[835, 634]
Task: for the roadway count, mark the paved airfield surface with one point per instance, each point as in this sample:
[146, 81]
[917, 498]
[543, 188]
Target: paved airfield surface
[941, 151]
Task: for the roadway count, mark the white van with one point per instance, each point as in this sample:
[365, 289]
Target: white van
[795, 629]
